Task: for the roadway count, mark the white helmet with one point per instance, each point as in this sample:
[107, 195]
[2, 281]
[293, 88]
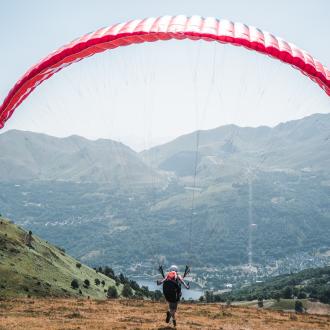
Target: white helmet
[174, 268]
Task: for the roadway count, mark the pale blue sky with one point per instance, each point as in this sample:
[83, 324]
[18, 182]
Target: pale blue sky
[145, 93]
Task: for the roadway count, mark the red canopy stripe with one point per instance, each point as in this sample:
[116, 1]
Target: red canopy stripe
[163, 28]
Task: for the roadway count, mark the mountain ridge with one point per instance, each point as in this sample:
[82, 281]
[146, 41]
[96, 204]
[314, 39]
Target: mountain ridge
[37, 156]
[284, 145]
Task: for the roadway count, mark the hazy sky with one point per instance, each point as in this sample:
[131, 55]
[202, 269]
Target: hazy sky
[146, 94]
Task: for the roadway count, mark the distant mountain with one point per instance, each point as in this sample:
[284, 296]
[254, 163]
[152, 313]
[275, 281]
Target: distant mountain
[32, 156]
[223, 151]
[229, 150]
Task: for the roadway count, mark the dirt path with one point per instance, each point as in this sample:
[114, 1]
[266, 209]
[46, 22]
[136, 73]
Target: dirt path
[132, 314]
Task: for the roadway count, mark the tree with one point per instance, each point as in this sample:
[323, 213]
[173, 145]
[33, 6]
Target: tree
[112, 292]
[158, 295]
[97, 281]
[28, 239]
[260, 302]
[287, 293]
[108, 272]
[86, 283]
[144, 290]
[209, 296]
[134, 285]
[74, 284]
[301, 295]
[295, 292]
[325, 296]
[122, 279]
[277, 296]
[298, 306]
[127, 291]
[103, 283]
[78, 265]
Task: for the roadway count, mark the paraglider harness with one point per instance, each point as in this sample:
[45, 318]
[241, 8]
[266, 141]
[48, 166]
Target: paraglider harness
[171, 285]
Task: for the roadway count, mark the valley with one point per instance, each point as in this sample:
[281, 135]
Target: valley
[259, 205]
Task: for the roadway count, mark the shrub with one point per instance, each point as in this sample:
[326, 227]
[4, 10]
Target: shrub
[60, 249]
[209, 297]
[127, 291]
[97, 281]
[103, 283]
[74, 284]
[158, 295]
[260, 302]
[86, 283]
[112, 293]
[298, 306]
[78, 265]
[109, 272]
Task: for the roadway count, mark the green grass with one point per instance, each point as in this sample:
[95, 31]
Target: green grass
[286, 304]
[43, 270]
[282, 304]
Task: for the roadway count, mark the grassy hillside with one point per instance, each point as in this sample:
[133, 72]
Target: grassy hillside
[311, 283]
[288, 305]
[42, 269]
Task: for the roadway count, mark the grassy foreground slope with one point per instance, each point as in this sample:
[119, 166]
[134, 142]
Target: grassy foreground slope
[136, 314]
[42, 269]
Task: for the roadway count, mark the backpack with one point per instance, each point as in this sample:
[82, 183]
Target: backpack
[172, 276]
[171, 288]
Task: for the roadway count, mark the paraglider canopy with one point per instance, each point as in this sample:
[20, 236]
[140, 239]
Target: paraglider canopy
[163, 28]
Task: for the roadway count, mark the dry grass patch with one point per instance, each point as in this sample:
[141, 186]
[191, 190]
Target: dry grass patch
[71, 314]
